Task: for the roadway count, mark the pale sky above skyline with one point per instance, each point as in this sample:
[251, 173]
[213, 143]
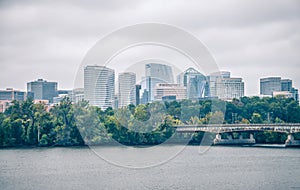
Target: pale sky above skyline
[49, 39]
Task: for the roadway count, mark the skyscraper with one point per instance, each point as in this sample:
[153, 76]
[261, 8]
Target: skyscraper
[155, 74]
[127, 91]
[42, 90]
[286, 85]
[195, 83]
[137, 94]
[295, 94]
[99, 86]
[269, 85]
[212, 78]
[229, 88]
[224, 87]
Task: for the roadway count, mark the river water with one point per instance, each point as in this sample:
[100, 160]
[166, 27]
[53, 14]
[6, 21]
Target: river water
[216, 168]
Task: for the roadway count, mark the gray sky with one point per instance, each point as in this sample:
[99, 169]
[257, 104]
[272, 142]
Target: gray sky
[49, 39]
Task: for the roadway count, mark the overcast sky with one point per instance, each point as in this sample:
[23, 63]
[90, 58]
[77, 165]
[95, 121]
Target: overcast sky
[49, 39]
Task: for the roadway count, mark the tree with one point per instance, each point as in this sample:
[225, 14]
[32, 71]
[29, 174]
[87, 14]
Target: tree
[141, 112]
[91, 127]
[26, 123]
[66, 130]
[3, 135]
[293, 111]
[215, 118]
[245, 121]
[256, 118]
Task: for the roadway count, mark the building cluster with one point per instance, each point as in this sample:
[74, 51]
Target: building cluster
[157, 85]
[275, 86]
[41, 91]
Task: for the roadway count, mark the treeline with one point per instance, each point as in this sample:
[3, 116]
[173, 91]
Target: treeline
[67, 124]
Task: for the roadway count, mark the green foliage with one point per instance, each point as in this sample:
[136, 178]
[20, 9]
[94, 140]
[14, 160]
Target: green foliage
[141, 113]
[68, 124]
[256, 118]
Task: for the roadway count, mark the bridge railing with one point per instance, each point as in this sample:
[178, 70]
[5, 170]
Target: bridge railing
[242, 125]
[278, 127]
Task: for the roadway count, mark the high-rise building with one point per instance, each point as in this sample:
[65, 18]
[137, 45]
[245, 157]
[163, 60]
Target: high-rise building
[99, 86]
[155, 74]
[269, 85]
[195, 83]
[137, 94]
[295, 94]
[224, 87]
[42, 90]
[12, 94]
[286, 85]
[229, 88]
[127, 92]
[212, 78]
[145, 97]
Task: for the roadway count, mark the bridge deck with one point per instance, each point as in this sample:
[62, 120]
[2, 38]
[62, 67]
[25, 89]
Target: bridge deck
[223, 128]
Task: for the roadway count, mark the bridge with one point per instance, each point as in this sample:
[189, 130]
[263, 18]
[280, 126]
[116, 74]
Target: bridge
[228, 129]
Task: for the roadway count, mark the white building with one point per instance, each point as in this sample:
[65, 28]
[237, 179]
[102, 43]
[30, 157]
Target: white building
[286, 94]
[224, 87]
[99, 86]
[213, 79]
[229, 88]
[77, 95]
[164, 90]
[126, 96]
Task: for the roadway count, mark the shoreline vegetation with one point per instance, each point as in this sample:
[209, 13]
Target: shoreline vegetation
[25, 124]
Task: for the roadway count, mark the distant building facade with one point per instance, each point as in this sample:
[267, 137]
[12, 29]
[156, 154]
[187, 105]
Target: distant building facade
[275, 86]
[42, 90]
[12, 94]
[127, 91]
[137, 94]
[286, 94]
[195, 83]
[77, 95]
[224, 87]
[269, 85]
[169, 90]
[99, 86]
[155, 74]
[8, 95]
[295, 94]
[286, 85]
[212, 80]
[145, 97]
[61, 95]
[4, 104]
[229, 88]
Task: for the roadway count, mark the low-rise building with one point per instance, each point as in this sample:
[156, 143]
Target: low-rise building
[164, 90]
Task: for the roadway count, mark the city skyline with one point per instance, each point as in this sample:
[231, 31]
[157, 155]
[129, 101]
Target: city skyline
[251, 39]
[103, 88]
[221, 73]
